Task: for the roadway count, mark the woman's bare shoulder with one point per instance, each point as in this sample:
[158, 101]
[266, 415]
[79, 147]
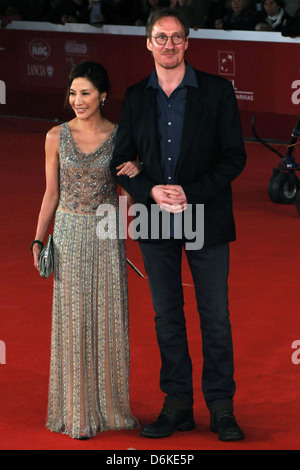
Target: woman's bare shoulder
[53, 134]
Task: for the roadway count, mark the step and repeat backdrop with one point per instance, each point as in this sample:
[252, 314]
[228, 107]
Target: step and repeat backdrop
[36, 58]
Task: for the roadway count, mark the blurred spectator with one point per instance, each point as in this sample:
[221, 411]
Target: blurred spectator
[9, 13]
[273, 16]
[50, 4]
[32, 10]
[292, 26]
[109, 10]
[193, 10]
[214, 10]
[241, 17]
[129, 12]
[96, 15]
[148, 6]
[3, 5]
[70, 11]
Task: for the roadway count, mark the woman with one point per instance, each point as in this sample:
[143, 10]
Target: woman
[273, 16]
[88, 390]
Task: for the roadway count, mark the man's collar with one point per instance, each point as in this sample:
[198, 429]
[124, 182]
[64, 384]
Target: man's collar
[189, 78]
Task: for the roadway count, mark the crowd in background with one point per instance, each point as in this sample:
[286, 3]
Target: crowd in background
[264, 15]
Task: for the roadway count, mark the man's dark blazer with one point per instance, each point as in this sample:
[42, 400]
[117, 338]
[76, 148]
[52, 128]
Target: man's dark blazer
[211, 156]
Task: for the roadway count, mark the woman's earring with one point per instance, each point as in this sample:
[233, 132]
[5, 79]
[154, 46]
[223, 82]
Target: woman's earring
[102, 103]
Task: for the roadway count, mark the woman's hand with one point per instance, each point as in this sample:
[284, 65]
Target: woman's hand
[130, 169]
[36, 250]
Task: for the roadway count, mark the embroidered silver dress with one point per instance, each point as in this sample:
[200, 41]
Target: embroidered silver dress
[89, 372]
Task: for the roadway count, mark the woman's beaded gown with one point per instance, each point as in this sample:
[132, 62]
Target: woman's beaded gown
[89, 373]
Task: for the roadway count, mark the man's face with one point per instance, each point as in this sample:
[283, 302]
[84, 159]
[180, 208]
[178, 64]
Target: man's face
[238, 6]
[168, 56]
[271, 7]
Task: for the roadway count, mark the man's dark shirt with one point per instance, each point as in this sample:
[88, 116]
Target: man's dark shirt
[170, 117]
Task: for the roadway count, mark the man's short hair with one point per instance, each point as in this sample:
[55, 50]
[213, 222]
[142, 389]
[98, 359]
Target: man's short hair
[164, 13]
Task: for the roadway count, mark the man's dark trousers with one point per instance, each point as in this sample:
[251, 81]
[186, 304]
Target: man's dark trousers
[209, 267]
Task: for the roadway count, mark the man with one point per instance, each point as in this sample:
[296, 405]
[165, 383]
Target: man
[184, 127]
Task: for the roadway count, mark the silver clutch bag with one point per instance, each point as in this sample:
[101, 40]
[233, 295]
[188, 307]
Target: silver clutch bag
[46, 259]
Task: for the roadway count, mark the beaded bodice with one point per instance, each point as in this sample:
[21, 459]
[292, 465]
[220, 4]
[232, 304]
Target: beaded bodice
[85, 179]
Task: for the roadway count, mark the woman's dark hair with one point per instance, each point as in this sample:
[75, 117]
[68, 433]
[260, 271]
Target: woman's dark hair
[94, 72]
[157, 15]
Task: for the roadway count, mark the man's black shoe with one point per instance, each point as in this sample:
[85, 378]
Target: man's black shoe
[169, 420]
[224, 423]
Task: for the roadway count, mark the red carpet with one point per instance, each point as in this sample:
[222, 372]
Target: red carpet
[264, 304]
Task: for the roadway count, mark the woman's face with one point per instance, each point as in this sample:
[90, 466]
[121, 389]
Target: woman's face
[271, 8]
[84, 98]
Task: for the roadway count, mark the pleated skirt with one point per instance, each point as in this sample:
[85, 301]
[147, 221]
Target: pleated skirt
[90, 354]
